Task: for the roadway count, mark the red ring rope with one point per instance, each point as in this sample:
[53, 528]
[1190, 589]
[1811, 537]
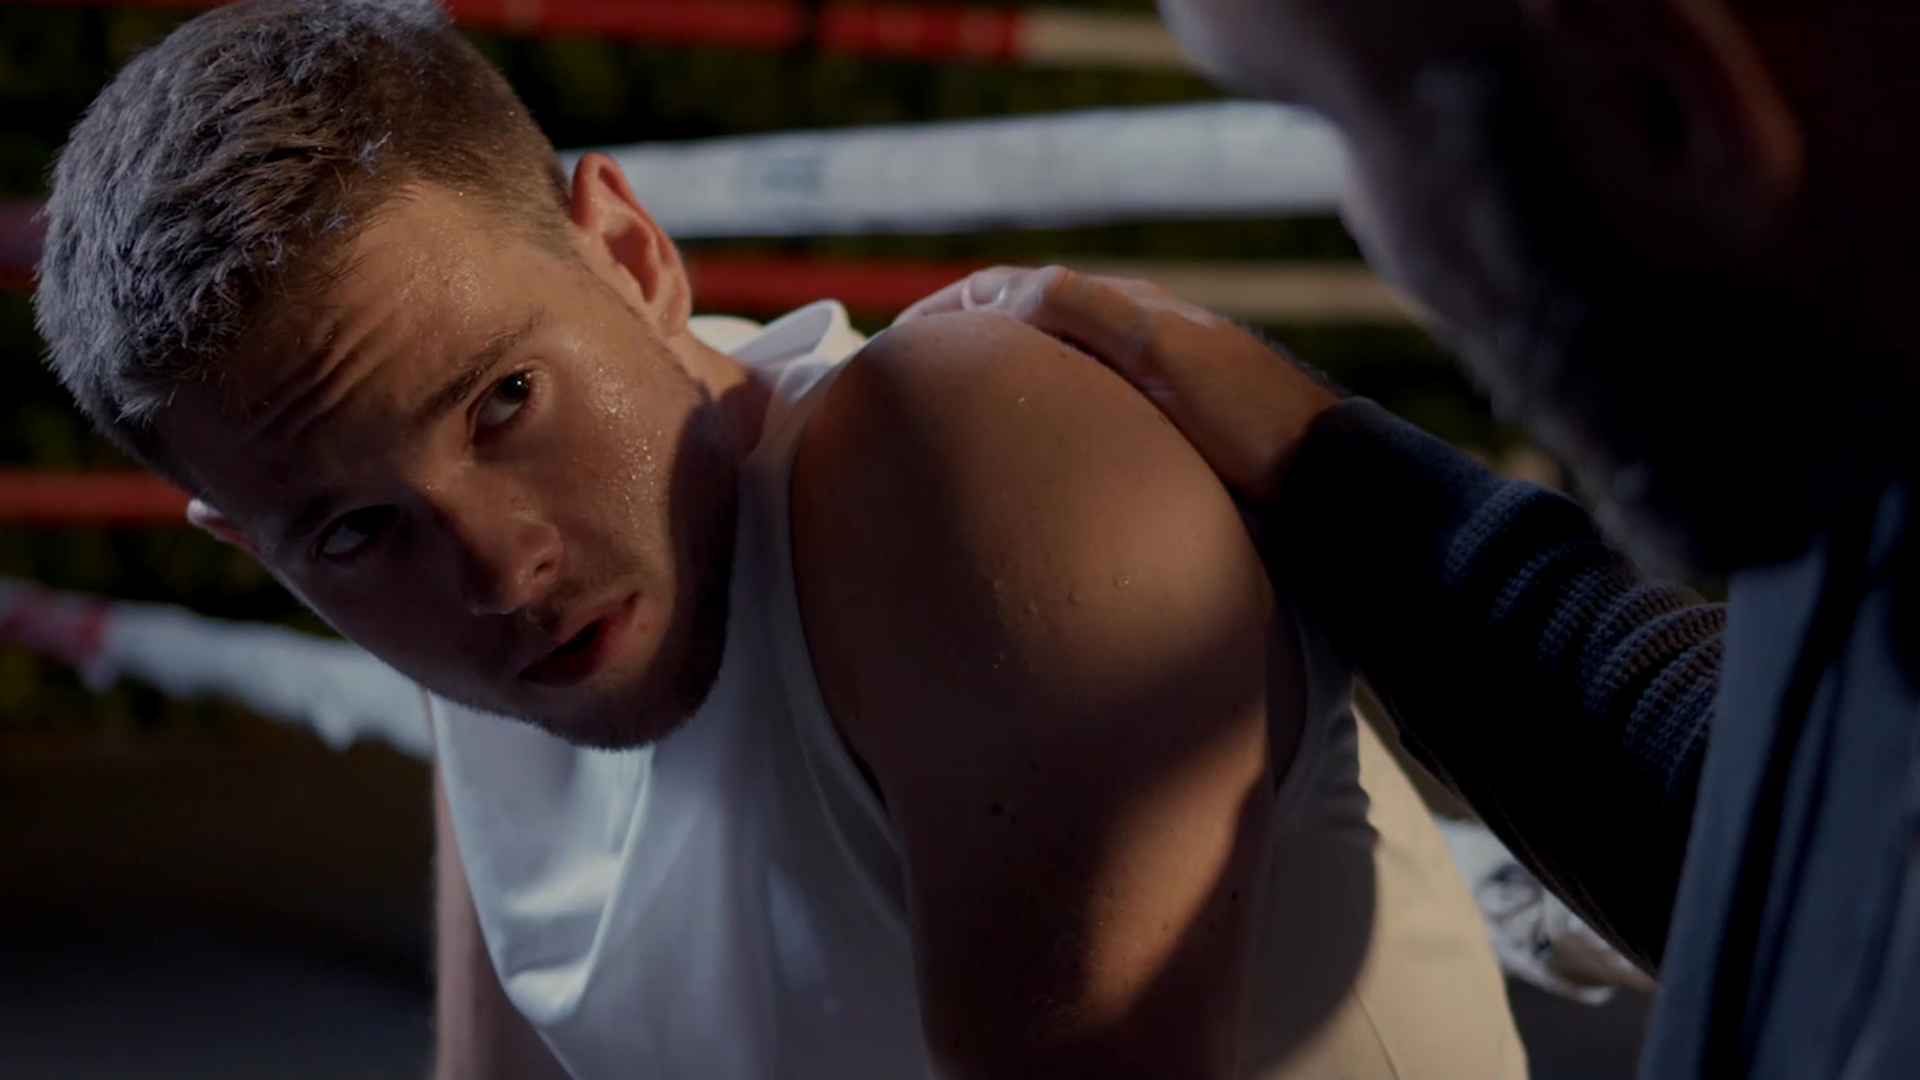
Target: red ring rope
[919, 31]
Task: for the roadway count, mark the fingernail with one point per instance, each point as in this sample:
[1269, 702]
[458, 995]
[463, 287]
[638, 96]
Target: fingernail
[985, 291]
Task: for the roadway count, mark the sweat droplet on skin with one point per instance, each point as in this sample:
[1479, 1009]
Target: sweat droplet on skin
[1121, 581]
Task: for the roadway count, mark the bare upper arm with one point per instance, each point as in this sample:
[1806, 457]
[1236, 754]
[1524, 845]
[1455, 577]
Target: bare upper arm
[478, 1034]
[1036, 616]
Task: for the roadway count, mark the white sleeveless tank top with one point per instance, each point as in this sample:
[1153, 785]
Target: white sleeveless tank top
[728, 903]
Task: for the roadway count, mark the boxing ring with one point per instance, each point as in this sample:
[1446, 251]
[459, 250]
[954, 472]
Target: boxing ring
[1204, 161]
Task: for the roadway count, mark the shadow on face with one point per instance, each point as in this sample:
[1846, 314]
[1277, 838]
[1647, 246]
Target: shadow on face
[481, 461]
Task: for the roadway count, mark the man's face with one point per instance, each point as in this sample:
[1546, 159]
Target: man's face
[1643, 365]
[475, 459]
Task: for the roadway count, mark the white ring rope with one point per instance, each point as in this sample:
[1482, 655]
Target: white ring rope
[1230, 159]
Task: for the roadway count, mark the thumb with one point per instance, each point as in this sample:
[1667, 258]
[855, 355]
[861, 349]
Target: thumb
[1086, 312]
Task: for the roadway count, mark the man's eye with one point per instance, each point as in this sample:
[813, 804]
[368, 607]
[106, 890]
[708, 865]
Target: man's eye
[351, 532]
[506, 399]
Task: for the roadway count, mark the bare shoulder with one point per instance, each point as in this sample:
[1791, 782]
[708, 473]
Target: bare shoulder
[937, 382]
[981, 415]
[973, 492]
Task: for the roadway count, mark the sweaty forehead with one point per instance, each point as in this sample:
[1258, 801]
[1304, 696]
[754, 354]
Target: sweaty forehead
[420, 289]
[422, 278]
[423, 263]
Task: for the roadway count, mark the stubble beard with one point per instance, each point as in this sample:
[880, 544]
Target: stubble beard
[705, 516]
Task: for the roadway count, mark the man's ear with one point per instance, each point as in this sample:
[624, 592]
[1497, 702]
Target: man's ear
[1690, 97]
[205, 517]
[626, 244]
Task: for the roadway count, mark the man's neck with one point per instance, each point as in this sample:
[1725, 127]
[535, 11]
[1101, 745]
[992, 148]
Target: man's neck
[739, 395]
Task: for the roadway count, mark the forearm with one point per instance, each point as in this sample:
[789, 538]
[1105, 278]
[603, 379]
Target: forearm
[1562, 694]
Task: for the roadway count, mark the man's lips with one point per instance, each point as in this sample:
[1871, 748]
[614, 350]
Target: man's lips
[583, 646]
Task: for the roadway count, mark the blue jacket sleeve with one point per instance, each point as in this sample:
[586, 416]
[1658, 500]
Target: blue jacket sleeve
[1559, 691]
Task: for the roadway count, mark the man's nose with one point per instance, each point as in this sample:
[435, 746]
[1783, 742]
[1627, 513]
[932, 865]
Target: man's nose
[507, 560]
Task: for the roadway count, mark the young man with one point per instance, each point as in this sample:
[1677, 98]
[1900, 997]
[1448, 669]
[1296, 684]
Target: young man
[922, 712]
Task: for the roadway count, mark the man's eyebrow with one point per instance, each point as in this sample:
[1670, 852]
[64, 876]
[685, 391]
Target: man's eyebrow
[315, 512]
[456, 389]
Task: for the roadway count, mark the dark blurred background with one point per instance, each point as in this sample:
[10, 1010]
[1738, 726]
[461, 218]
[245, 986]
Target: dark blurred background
[188, 891]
